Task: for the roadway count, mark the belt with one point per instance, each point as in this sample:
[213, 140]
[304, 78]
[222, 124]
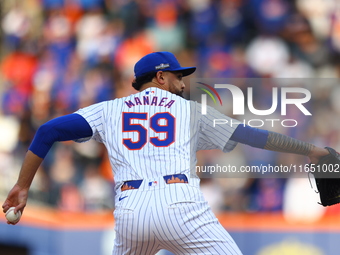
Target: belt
[169, 179]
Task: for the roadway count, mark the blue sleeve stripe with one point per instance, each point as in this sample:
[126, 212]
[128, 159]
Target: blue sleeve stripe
[251, 136]
[65, 128]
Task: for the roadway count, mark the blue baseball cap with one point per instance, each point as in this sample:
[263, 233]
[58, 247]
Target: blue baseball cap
[160, 61]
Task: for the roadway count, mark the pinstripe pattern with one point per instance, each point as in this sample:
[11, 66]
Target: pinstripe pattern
[174, 217]
[162, 216]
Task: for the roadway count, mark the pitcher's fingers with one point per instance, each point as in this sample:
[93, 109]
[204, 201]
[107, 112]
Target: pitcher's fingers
[20, 207]
[5, 207]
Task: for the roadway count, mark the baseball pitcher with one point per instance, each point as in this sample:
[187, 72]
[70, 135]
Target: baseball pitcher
[152, 138]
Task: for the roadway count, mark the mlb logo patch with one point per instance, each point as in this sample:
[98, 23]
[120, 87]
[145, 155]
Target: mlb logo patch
[148, 92]
[152, 184]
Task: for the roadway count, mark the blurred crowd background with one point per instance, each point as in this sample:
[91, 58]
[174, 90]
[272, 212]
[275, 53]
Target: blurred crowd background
[60, 55]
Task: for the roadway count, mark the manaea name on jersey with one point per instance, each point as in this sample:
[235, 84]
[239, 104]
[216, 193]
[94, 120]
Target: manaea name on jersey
[146, 100]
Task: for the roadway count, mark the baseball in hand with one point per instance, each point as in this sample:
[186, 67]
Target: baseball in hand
[11, 216]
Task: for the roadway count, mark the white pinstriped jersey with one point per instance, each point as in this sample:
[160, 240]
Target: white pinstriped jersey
[155, 133]
[149, 135]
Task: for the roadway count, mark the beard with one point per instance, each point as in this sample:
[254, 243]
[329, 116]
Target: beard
[176, 91]
[180, 93]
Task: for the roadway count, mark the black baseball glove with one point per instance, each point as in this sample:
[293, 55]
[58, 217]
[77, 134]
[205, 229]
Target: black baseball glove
[327, 177]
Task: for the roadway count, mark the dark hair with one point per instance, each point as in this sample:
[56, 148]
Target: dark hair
[138, 82]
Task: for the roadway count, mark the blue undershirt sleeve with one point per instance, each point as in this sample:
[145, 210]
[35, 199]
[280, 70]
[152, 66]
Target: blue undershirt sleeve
[251, 136]
[65, 128]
